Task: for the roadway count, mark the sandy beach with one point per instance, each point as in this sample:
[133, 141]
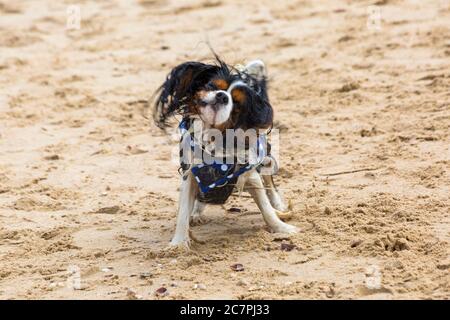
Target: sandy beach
[88, 187]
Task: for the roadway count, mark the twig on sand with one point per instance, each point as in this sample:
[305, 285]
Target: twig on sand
[347, 172]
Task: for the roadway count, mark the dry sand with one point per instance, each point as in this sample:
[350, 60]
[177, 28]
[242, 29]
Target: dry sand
[87, 183]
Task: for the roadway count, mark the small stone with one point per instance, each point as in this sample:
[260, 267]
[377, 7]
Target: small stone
[327, 211]
[234, 210]
[145, 275]
[237, 267]
[106, 269]
[161, 292]
[355, 243]
[52, 157]
[199, 286]
[287, 246]
[345, 38]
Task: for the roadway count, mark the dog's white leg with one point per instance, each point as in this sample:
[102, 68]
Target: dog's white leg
[274, 196]
[196, 217]
[256, 189]
[188, 192]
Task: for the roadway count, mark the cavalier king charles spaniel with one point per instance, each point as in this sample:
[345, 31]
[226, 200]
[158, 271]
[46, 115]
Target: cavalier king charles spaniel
[226, 115]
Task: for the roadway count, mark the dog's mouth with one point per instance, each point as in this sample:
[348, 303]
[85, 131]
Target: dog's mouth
[215, 107]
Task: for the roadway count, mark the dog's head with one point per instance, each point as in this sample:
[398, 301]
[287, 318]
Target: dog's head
[221, 96]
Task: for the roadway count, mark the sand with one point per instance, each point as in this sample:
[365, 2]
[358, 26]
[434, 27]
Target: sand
[88, 190]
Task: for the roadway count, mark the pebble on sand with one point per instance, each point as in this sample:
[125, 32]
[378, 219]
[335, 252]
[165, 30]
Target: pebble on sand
[161, 292]
[199, 286]
[237, 267]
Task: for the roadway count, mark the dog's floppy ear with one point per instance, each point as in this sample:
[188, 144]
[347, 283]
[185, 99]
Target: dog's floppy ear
[178, 90]
[260, 111]
[254, 110]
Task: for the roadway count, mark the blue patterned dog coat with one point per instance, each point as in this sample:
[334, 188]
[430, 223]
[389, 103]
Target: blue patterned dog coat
[216, 180]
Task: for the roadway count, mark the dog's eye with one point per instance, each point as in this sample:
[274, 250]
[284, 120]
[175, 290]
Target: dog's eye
[210, 87]
[201, 103]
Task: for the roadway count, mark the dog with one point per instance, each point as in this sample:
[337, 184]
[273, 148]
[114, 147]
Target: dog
[213, 98]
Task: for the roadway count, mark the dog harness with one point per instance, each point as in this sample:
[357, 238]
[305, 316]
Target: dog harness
[216, 180]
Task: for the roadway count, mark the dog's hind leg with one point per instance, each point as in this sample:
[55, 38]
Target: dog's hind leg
[274, 196]
[188, 193]
[197, 218]
[256, 189]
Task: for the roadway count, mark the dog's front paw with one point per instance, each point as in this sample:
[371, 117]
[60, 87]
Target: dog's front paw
[172, 250]
[182, 243]
[285, 228]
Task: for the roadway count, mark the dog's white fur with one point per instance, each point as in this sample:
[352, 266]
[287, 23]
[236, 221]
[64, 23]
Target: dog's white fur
[212, 116]
[268, 201]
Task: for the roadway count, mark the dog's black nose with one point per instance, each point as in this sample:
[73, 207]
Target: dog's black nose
[221, 97]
